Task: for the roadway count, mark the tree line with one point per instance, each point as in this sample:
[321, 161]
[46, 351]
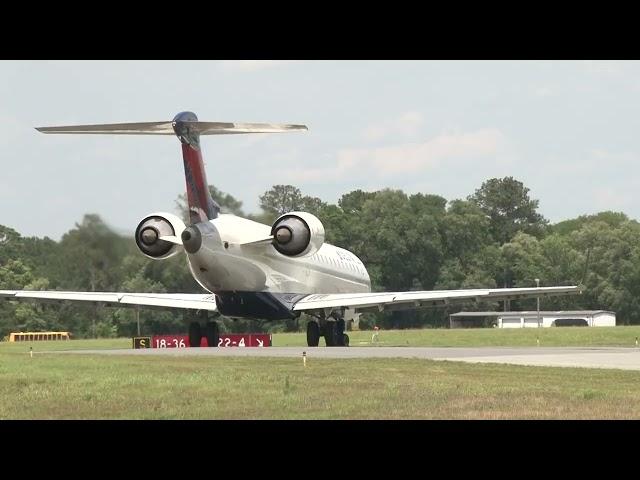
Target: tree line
[494, 238]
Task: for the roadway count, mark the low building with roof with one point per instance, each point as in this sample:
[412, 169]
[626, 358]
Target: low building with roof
[533, 319]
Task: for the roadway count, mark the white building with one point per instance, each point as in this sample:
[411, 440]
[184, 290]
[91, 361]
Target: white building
[530, 319]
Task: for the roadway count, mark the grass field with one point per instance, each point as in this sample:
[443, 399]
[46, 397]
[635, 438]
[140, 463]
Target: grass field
[95, 387]
[473, 337]
[486, 337]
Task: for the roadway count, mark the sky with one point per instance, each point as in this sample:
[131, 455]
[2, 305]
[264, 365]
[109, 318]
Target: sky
[567, 129]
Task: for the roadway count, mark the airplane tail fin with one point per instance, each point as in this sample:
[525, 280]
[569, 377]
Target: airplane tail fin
[188, 129]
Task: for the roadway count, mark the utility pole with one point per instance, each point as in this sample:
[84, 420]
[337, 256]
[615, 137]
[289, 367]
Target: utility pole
[505, 303]
[538, 301]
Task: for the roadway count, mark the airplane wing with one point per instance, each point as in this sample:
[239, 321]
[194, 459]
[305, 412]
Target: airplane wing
[359, 302]
[116, 299]
[372, 302]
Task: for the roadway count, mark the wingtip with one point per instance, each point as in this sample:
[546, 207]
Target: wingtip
[46, 129]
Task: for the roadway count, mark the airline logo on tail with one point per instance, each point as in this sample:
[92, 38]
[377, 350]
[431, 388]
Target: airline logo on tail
[201, 206]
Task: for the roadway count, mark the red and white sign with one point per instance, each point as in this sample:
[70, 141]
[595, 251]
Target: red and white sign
[170, 341]
[230, 340]
[245, 340]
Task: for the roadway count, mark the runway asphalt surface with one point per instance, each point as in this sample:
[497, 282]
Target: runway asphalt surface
[626, 358]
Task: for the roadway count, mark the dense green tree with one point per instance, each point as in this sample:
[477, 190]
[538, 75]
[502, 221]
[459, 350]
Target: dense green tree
[507, 204]
[281, 199]
[353, 202]
[15, 275]
[609, 267]
[10, 245]
[91, 253]
[613, 219]
[151, 320]
[465, 231]
[312, 205]
[336, 225]
[398, 238]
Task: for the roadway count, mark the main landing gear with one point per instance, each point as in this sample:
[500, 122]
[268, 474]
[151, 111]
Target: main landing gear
[332, 329]
[313, 333]
[210, 332]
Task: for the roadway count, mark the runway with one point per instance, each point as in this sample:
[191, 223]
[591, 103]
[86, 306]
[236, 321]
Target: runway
[596, 357]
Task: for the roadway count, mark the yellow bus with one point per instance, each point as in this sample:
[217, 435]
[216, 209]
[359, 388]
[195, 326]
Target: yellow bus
[38, 336]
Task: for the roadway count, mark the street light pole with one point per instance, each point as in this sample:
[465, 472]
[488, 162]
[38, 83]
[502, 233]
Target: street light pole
[538, 301]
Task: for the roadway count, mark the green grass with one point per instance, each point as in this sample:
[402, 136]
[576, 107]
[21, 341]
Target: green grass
[623, 336]
[485, 337]
[47, 346]
[53, 386]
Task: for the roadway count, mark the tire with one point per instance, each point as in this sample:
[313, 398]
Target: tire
[195, 334]
[313, 334]
[339, 333]
[345, 340]
[330, 334]
[212, 333]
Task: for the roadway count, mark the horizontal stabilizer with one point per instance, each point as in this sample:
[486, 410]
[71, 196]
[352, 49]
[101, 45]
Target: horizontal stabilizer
[167, 128]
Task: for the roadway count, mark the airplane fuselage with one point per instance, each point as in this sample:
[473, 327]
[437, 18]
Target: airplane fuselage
[225, 263]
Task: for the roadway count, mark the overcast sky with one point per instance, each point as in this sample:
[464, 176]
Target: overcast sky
[568, 130]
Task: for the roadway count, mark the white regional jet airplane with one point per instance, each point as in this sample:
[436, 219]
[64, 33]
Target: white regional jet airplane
[255, 270]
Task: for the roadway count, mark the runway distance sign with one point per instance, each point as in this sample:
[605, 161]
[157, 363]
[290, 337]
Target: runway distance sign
[245, 340]
[141, 342]
[170, 341]
[225, 340]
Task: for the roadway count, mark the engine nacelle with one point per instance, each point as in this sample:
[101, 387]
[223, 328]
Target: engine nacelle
[154, 226]
[297, 233]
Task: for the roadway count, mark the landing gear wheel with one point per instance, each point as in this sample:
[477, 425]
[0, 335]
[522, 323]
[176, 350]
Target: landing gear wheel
[212, 333]
[330, 334]
[195, 334]
[345, 340]
[313, 334]
[339, 333]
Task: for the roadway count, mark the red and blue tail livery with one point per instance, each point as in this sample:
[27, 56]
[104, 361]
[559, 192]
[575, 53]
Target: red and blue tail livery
[201, 206]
